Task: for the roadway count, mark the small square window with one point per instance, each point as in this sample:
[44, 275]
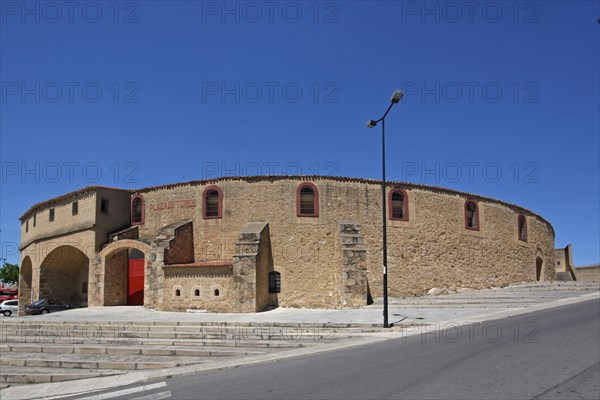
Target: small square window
[51, 215]
[74, 208]
[104, 206]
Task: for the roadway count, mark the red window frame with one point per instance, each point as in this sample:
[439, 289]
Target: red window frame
[520, 236]
[134, 198]
[404, 205]
[475, 217]
[219, 205]
[313, 187]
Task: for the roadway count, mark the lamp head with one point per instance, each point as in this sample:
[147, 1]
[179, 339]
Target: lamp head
[396, 96]
[371, 123]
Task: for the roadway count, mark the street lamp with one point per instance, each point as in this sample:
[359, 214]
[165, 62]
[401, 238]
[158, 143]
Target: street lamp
[396, 96]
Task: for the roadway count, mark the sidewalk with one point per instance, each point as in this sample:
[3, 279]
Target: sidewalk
[428, 309]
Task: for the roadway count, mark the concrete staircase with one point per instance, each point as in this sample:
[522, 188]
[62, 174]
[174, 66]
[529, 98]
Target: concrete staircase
[40, 352]
[514, 296]
[563, 276]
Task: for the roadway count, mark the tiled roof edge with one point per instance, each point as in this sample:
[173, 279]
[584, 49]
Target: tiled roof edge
[70, 195]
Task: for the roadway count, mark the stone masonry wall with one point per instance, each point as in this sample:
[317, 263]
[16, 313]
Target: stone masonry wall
[432, 249]
[181, 247]
[200, 288]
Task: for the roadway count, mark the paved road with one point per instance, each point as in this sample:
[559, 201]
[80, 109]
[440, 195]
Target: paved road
[550, 354]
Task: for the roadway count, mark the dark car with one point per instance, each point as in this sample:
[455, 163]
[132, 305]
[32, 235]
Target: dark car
[45, 306]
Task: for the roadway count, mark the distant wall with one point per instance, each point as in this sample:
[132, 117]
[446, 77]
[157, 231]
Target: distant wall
[564, 259]
[589, 273]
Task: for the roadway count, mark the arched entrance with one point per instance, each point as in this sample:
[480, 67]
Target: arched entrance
[64, 276]
[539, 264]
[124, 275]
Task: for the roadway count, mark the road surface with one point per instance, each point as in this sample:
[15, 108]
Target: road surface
[551, 354]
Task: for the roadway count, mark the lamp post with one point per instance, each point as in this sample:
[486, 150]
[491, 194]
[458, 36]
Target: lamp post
[396, 96]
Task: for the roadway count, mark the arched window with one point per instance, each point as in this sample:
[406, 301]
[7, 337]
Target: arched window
[471, 215]
[307, 200]
[137, 210]
[398, 204]
[212, 203]
[274, 282]
[522, 227]
[216, 293]
[177, 292]
[197, 292]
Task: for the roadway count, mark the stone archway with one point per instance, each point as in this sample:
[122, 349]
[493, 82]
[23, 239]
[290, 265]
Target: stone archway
[124, 266]
[64, 276]
[539, 264]
[539, 269]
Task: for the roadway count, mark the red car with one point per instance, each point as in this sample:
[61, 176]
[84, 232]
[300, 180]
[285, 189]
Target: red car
[8, 294]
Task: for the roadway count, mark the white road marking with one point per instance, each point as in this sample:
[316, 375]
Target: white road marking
[125, 392]
[155, 396]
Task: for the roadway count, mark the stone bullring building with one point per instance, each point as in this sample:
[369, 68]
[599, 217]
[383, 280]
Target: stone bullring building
[245, 244]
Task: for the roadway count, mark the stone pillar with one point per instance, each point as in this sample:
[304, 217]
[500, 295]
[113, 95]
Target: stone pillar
[96, 282]
[250, 268]
[154, 277]
[354, 264]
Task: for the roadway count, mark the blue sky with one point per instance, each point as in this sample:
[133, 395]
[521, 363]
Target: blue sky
[501, 98]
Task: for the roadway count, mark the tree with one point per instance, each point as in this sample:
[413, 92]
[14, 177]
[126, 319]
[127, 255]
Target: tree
[9, 273]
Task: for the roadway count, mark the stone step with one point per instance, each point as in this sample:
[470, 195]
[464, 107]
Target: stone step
[195, 340]
[441, 301]
[563, 276]
[124, 350]
[140, 330]
[26, 375]
[208, 328]
[53, 318]
[49, 333]
[165, 342]
[55, 332]
[96, 362]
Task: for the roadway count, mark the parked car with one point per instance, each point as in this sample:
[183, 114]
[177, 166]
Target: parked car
[45, 306]
[8, 307]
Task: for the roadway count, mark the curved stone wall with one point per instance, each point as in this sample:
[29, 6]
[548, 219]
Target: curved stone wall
[197, 256]
[430, 249]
